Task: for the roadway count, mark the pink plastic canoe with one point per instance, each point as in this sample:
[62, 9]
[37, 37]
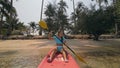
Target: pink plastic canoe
[58, 62]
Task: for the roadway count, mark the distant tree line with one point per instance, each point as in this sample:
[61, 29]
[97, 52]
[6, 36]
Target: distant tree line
[83, 20]
[9, 23]
[104, 20]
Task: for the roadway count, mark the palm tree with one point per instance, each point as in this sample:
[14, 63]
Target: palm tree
[78, 16]
[100, 2]
[7, 11]
[2, 12]
[33, 26]
[75, 24]
[50, 13]
[21, 27]
[116, 4]
[74, 5]
[62, 6]
[61, 14]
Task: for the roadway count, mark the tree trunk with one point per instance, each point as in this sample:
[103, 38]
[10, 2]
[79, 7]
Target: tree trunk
[96, 37]
[10, 28]
[11, 2]
[116, 24]
[40, 32]
[1, 22]
[75, 23]
[116, 30]
[0, 27]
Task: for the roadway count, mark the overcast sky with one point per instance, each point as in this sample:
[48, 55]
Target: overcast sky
[29, 10]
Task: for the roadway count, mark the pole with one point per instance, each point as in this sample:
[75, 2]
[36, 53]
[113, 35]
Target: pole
[41, 9]
[40, 32]
[74, 6]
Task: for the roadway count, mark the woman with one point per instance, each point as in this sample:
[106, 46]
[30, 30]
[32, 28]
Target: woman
[59, 39]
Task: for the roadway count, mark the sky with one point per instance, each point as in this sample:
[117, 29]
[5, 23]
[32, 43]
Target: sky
[29, 10]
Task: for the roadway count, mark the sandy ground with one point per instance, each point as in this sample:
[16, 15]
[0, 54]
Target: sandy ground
[29, 53]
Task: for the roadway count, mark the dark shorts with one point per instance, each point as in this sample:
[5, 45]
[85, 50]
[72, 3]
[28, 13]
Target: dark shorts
[59, 48]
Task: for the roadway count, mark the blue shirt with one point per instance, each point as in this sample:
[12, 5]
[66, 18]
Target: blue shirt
[57, 40]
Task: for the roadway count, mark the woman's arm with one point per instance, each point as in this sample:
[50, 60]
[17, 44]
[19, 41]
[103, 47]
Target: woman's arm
[64, 40]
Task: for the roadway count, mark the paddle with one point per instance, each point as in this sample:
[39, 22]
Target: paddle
[44, 26]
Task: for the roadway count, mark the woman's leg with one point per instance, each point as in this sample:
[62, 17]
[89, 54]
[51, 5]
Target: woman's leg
[52, 54]
[64, 55]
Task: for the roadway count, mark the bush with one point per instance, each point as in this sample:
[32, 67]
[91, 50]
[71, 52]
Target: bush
[17, 32]
[4, 32]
